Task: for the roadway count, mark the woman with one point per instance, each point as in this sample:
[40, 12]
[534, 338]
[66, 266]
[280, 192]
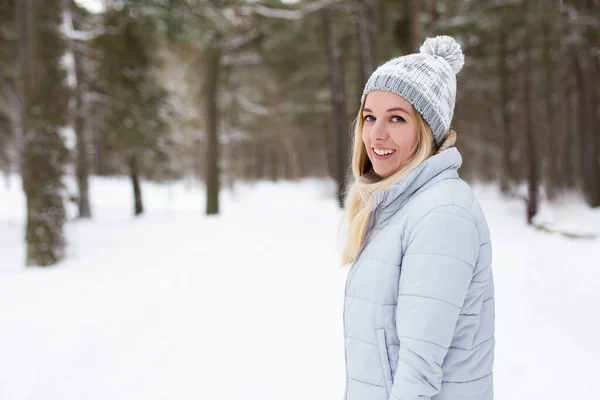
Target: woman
[419, 302]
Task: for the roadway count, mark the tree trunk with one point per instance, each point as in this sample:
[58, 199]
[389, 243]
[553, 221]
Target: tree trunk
[596, 88]
[585, 79]
[198, 156]
[373, 27]
[415, 25]
[586, 144]
[570, 141]
[338, 122]
[366, 57]
[532, 150]
[507, 177]
[138, 205]
[82, 165]
[273, 163]
[259, 159]
[569, 175]
[593, 33]
[554, 161]
[213, 59]
[45, 98]
[23, 23]
[594, 134]
[433, 16]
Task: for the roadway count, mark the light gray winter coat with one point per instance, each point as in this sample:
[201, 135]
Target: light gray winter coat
[419, 303]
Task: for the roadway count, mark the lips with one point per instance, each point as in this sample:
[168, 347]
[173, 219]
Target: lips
[383, 154]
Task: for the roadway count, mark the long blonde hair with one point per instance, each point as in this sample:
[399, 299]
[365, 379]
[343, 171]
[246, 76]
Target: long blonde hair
[359, 201]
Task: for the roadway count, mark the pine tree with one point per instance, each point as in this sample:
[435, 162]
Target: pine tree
[135, 125]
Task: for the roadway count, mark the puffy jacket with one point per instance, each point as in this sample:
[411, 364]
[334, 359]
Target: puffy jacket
[419, 301]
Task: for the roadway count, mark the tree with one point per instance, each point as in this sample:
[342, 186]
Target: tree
[219, 31]
[211, 90]
[78, 107]
[532, 152]
[339, 137]
[135, 117]
[43, 106]
[9, 103]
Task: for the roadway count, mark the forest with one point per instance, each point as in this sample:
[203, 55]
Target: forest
[214, 92]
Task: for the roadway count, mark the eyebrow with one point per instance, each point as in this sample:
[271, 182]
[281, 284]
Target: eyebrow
[390, 110]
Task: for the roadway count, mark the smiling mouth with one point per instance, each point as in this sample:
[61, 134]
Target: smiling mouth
[383, 152]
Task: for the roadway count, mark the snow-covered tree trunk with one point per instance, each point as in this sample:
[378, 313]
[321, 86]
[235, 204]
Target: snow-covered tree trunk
[73, 63]
[44, 113]
[82, 167]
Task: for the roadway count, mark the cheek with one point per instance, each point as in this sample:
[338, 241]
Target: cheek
[405, 138]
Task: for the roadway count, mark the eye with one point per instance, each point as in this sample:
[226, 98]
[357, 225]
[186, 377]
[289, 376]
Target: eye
[397, 118]
[368, 118]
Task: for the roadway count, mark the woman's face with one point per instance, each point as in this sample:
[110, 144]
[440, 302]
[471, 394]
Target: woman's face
[389, 131]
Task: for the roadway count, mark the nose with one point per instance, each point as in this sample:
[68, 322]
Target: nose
[379, 132]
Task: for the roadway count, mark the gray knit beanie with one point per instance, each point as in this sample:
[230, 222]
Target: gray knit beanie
[427, 80]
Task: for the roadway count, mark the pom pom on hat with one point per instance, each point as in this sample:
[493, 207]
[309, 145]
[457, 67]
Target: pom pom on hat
[447, 48]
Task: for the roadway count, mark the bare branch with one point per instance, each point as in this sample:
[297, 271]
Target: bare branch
[287, 14]
[249, 106]
[83, 35]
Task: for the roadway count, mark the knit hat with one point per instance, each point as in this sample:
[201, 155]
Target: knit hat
[427, 80]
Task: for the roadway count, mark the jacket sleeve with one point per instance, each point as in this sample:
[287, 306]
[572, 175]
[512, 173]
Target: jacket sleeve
[437, 268]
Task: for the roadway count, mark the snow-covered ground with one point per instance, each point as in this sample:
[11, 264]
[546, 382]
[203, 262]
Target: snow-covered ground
[248, 305]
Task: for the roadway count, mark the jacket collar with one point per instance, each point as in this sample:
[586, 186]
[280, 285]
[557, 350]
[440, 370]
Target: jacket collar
[438, 167]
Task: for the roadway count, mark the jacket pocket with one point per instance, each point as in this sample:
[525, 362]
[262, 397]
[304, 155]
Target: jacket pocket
[385, 360]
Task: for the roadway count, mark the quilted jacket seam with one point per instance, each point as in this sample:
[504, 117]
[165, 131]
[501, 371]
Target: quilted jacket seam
[441, 255]
[472, 348]
[431, 298]
[423, 341]
[434, 211]
[366, 383]
[372, 302]
[360, 340]
[380, 262]
[472, 380]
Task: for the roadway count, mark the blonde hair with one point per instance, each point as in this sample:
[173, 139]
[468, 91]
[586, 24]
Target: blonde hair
[359, 201]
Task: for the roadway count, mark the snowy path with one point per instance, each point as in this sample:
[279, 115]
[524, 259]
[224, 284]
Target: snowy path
[248, 305]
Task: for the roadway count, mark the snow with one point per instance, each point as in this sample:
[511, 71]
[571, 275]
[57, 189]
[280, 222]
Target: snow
[69, 137]
[248, 304]
[93, 6]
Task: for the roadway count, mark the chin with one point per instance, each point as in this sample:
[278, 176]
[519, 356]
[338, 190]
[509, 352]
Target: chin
[383, 174]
